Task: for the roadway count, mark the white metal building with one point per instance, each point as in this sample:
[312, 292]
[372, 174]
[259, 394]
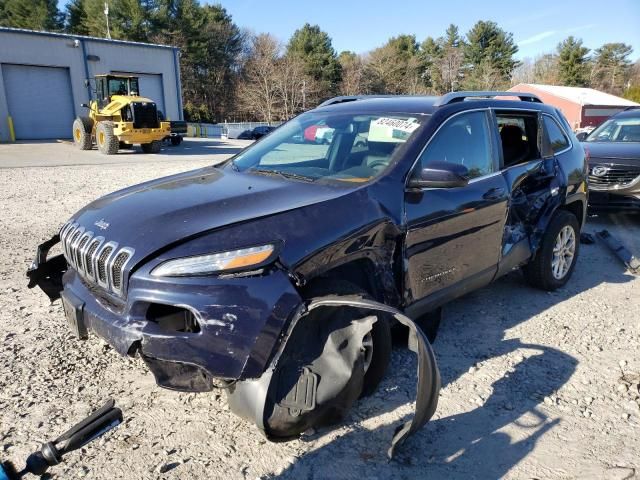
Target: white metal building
[44, 79]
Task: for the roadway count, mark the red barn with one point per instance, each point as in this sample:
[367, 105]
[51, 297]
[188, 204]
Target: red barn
[583, 107]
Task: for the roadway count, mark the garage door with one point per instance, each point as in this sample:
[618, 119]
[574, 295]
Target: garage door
[40, 101]
[150, 87]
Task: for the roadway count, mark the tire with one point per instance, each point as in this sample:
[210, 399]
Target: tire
[82, 127]
[546, 270]
[380, 339]
[153, 147]
[175, 141]
[125, 146]
[107, 142]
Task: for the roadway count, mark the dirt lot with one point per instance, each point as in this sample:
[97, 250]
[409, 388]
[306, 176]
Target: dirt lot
[535, 385]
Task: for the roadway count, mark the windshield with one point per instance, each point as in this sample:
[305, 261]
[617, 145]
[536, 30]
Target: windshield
[330, 146]
[617, 130]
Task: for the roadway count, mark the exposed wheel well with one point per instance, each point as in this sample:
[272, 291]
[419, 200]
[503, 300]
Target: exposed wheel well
[577, 208]
[361, 273]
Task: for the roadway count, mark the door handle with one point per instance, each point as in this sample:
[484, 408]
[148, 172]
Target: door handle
[494, 194]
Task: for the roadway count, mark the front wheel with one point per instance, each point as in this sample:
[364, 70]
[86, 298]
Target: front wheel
[556, 258]
[153, 147]
[107, 142]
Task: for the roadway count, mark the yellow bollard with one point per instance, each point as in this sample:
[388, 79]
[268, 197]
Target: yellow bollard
[12, 132]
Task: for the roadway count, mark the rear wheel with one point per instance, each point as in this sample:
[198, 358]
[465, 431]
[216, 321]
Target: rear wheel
[557, 255]
[82, 127]
[153, 147]
[107, 142]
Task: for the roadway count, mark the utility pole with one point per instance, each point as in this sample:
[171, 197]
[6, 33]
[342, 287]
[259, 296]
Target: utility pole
[106, 14]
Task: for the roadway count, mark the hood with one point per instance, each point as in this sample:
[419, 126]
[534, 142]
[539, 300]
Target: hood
[613, 150]
[159, 213]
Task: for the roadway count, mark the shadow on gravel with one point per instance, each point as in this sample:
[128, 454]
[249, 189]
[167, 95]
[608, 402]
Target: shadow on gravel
[204, 147]
[470, 444]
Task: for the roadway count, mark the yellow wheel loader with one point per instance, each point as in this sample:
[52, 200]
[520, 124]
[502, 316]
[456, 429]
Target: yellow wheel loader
[120, 118]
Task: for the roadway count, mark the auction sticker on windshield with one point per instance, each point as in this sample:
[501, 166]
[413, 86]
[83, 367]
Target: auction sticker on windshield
[386, 129]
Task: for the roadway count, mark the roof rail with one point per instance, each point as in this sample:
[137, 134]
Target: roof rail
[351, 98]
[455, 97]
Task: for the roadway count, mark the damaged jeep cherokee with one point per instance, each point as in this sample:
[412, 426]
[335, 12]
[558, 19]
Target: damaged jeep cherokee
[278, 274]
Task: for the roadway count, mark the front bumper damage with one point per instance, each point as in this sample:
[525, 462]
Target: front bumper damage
[251, 355]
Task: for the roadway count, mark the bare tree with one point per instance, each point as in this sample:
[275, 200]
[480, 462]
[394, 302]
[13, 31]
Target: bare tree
[450, 67]
[524, 73]
[545, 69]
[258, 91]
[295, 89]
[352, 74]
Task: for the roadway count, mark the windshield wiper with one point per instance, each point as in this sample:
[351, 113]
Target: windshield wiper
[280, 173]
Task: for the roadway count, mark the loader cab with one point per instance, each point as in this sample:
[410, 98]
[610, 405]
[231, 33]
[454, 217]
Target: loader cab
[109, 85]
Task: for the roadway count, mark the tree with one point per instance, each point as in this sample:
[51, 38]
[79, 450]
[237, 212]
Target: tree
[210, 45]
[611, 67]
[573, 66]
[396, 67]
[489, 53]
[524, 73]
[258, 92]
[545, 69]
[352, 67]
[76, 18]
[313, 47]
[443, 61]
[31, 14]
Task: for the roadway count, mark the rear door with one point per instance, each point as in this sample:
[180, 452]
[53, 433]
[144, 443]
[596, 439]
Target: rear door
[454, 235]
[529, 168]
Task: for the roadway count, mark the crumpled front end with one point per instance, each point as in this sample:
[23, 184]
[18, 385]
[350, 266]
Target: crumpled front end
[189, 330]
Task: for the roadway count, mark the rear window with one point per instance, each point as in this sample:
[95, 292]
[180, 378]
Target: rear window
[558, 140]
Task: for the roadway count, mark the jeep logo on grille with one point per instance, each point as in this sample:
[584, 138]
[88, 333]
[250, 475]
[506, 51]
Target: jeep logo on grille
[101, 224]
[599, 171]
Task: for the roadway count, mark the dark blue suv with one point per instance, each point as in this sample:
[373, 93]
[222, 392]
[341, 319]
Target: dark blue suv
[279, 273]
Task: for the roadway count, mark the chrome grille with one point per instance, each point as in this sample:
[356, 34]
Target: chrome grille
[614, 176]
[116, 269]
[97, 261]
[102, 264]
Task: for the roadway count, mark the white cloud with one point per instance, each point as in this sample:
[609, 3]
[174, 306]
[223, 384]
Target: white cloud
[537, 38]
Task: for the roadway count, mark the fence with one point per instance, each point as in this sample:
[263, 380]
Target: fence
[222, 130]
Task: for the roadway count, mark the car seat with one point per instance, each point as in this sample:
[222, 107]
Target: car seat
[514, 148]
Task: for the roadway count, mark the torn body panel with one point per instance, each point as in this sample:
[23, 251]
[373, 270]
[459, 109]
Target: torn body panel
[47, 273]
[257, 400]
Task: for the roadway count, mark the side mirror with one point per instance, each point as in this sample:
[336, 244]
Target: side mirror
[85, 105]
[441, 175]
[582, 136]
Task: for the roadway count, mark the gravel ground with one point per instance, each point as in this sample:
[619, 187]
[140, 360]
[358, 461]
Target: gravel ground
[535, 384]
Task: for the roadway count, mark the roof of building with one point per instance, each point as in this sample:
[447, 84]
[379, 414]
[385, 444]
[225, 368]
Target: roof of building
[83, 37]
[579, 95]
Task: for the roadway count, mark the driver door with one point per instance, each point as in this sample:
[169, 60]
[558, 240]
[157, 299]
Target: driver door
[454, 235]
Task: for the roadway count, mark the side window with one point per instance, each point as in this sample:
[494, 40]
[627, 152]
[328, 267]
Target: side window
[466, 140]
[518, 137]
[556, 138]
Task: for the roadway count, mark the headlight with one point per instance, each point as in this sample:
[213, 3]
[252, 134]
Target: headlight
[216, 262]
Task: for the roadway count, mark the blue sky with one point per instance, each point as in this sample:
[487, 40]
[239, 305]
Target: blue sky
[537, 25]
[360, 26]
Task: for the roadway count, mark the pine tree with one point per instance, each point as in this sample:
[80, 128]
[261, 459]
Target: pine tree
[489, 53]
[573, 66]
[314, 48]
[611, 67]
[31, 14]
